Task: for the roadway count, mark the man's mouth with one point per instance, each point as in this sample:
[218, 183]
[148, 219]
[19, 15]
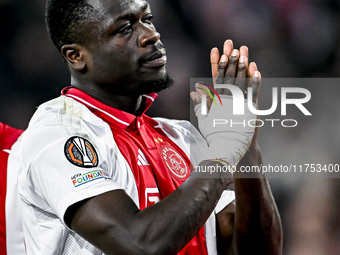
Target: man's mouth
[156, 59]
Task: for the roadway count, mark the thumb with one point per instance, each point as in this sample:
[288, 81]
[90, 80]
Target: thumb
[196, 98]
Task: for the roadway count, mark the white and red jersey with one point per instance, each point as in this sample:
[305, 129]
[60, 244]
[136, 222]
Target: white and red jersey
[76, 147]
[11, 233]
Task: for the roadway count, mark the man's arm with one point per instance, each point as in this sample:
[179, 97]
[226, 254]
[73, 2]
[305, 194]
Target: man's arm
[114, 224]
[254, 223]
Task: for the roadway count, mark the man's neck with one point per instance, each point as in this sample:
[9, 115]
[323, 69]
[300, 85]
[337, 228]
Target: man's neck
[126, 103]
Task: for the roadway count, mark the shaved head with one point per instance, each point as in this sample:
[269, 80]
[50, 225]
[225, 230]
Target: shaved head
[70, 21]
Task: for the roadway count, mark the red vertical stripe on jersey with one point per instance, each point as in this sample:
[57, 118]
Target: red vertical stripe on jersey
[136, 138]
[3, 186]
[141, 136]
[8, 136]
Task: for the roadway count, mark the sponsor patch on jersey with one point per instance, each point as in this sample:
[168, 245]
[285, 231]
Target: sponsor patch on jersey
[84, 178]
[175, 163]
[81, 152]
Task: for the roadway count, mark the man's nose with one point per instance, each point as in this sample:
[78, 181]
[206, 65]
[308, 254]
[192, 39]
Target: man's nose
[148, 35]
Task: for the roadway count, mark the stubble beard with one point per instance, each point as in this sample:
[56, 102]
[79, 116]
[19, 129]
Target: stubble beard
[156, 85]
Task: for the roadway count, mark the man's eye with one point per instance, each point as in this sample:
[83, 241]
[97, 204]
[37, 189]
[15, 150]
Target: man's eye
[148, 19]
[125, 30]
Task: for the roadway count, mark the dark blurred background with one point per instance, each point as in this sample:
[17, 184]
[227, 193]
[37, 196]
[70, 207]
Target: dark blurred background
[286, 38]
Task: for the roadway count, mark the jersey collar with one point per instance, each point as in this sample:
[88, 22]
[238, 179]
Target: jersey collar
[109, 114]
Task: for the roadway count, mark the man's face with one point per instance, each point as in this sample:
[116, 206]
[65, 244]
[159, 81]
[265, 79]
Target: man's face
[127, 55]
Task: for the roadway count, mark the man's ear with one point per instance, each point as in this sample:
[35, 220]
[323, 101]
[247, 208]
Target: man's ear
[75, 55]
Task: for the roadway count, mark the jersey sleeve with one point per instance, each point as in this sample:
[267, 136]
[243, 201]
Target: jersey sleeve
[62, 183]
[59, 171]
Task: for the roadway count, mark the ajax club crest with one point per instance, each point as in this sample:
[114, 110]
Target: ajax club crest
[175, 163]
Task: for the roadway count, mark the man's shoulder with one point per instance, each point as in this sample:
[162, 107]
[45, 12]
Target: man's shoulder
[62, 113]
[58, 120]
[180, 125]
[60, 107]
[183, 133]
[182, 130]
[184, 127]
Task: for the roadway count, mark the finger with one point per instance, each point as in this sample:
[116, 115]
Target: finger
[228, 47]
[242, 72]
[256, 84]
[221, 69]
[231, 70]
[214, 60]
[244, 51]
[201, 90]
[252, 68]
[243, 83]
[196, 99]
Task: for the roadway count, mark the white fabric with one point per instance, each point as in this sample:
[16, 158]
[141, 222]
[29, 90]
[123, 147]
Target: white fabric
[227, 135]
[14, 232]
[45, 174]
